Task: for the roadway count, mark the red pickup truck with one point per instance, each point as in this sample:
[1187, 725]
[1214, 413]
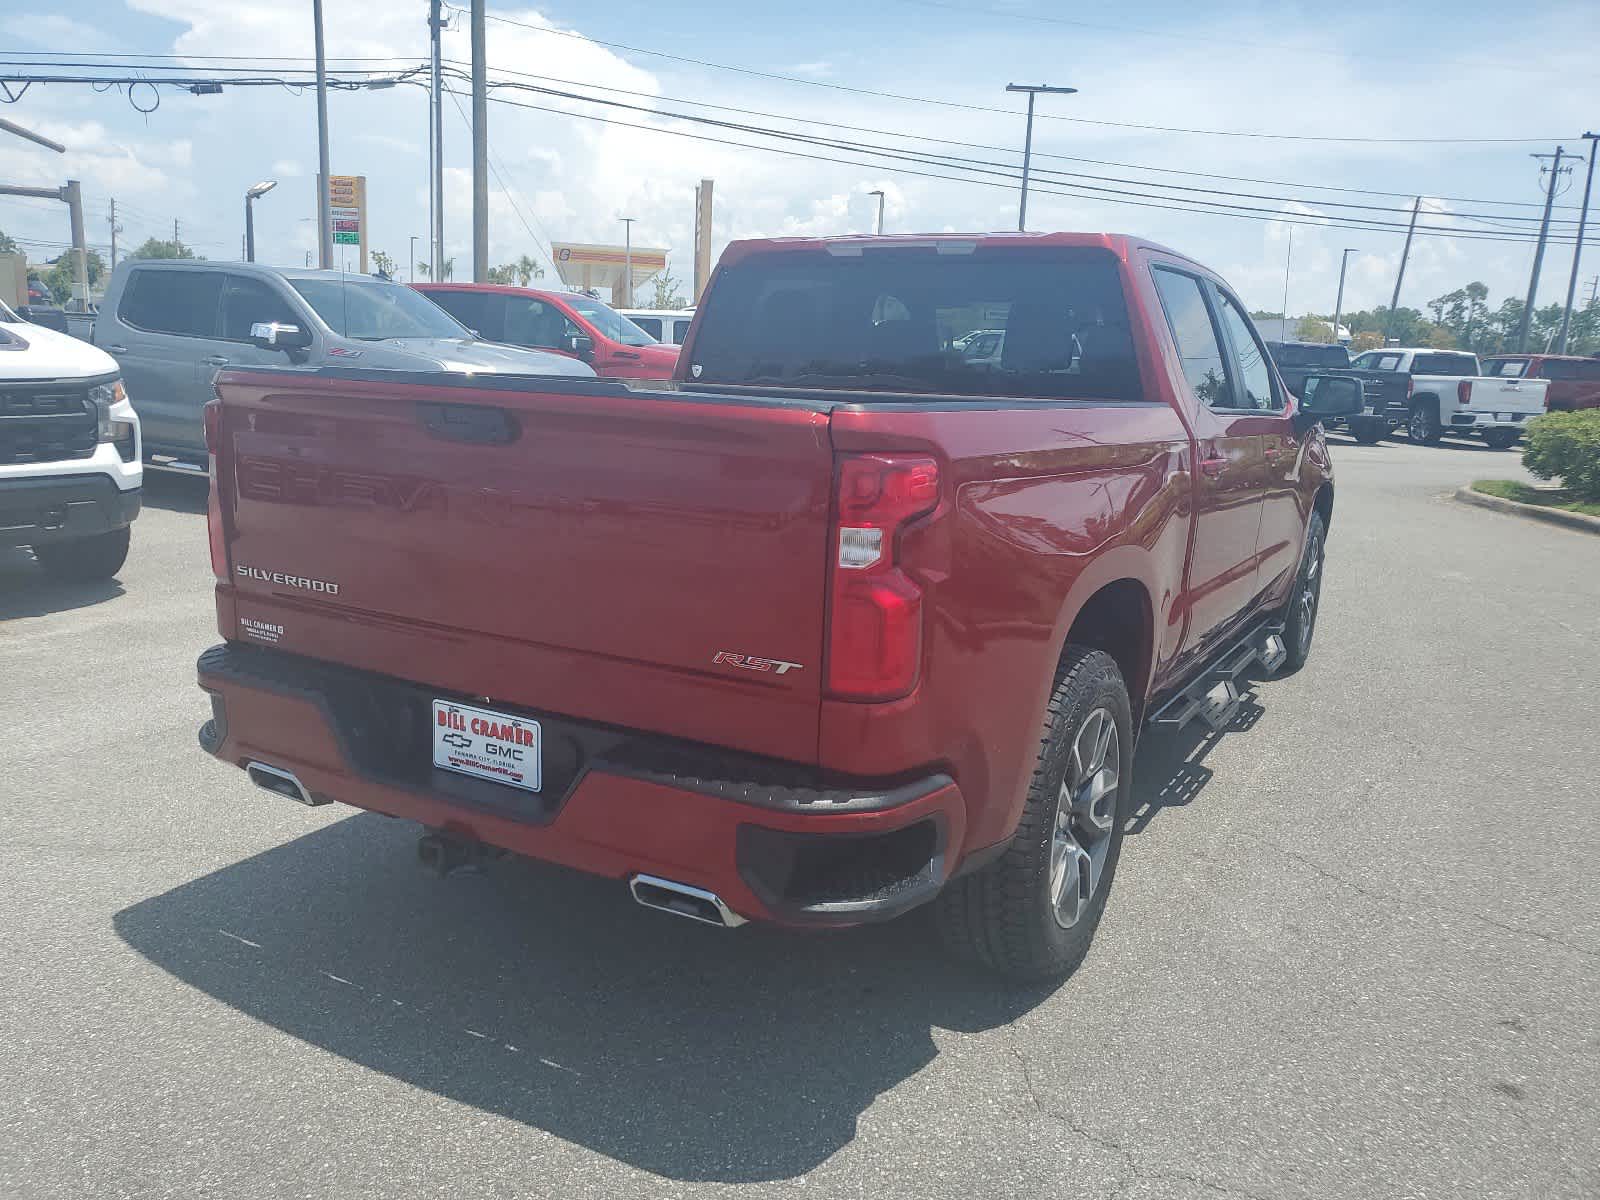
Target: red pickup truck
[838, 624]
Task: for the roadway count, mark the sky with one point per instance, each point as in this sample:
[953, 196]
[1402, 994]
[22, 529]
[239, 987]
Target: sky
[1425, 72]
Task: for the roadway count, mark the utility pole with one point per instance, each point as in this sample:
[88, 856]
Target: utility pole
[1288, 261]
[879, 195]
[1538, 250]
[1400, 276]
[324, 216]
[436, 23]
[627, 260]
[1577, 250]
[73, 195]
[702, 237]
[1027, 144]
[1338, 304]
[115, 229]
[174, 231]
[480, 148]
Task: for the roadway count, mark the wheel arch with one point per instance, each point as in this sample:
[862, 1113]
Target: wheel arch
[1114, 612]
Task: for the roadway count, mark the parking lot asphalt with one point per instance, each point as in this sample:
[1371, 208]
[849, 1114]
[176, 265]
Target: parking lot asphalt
[1353, 949]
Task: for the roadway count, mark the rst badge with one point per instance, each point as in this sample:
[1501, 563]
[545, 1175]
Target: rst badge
[749, 662]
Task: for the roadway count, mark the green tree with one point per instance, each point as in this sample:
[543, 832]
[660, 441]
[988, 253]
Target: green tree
[157, 248]
[519, 273]
[8, 244]
[1314, 329]
[63, 273]
[449, 269]
[384, 263]
[666, 292]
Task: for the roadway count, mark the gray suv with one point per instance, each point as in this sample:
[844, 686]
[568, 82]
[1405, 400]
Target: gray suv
[171, 325]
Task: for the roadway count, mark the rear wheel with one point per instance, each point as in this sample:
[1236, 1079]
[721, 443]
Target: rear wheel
[1300, 621]
[1500, 439]
[1032, 913]
[1367, 430]
[98, 557]
[1423, 426]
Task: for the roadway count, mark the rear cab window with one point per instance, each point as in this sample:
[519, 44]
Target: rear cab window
[1508, 368]
[1291, 355]
[889, 319]
[1454, 365]
[183, 302]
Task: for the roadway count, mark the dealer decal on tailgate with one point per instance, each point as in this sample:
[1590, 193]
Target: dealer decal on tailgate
[486, 744]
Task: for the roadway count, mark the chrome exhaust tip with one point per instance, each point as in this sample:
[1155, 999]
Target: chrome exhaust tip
[280, 782]
[679, 898]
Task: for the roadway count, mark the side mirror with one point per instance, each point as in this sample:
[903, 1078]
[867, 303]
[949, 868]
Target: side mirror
[582, 346]
[1331, 397]
[276, 335]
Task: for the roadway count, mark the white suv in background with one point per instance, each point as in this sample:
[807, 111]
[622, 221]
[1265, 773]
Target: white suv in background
[69, 451]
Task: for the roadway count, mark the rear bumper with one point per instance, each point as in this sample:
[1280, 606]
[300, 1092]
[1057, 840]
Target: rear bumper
[59, 508]
[776, 841]
[1489, 420]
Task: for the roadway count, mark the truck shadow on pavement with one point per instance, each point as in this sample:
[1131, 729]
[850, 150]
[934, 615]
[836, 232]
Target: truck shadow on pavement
[27, 591]
[1170, 770]
[550, 998]
[176, 492]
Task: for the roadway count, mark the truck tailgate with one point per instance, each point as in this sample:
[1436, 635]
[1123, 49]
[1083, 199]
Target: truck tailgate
[1508, 395]
[580, 550]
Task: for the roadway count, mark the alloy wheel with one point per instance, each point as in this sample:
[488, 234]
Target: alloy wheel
[1085, 817]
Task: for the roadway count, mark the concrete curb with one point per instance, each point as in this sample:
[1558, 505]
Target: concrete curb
[1554, 516]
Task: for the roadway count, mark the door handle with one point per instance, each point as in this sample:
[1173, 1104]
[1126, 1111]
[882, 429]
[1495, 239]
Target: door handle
[216, 360]
[117, 349]
[1213, 466]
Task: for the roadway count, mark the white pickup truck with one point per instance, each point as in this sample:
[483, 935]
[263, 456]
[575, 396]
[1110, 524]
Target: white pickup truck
[1447, 392]
[70, 470]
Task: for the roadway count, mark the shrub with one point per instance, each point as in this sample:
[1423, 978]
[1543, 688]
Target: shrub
[1566, 446]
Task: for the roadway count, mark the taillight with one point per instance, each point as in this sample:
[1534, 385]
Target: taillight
[1464, 392]
[211, 416]
[875, 622]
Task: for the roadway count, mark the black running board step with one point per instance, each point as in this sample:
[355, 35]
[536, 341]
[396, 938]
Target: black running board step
[1213, 696]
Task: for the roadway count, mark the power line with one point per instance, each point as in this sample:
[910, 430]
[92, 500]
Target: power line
[1314, 221]
[542, 247]
[858, 91]
[966, 163]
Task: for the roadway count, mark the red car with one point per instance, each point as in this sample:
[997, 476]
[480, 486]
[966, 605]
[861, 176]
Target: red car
[565, 322]
[1574, 380]
[841, 624]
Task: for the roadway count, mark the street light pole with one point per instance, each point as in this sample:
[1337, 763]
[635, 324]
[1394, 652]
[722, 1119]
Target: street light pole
[1032, 90]
[879, 195]
[324, 215]
[627, 260]
[1338, 304]
[411, 267]
[259, 189]
[1577, 251]
[436, 24]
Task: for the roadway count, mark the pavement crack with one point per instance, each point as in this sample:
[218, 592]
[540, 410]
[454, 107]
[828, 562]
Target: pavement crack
[1345, 881]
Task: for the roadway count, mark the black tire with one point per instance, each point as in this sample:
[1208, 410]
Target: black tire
[1423, 425]
[1500, 439]
[1003, 916]
[1368, 431]
[1300, 619]
[84, 559]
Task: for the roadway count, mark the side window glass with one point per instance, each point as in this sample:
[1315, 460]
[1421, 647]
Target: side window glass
[1199, 349]
[680, 330]
[651, 325]
[247, 301]
[1255, 377]
[180, 302]
[533, 323]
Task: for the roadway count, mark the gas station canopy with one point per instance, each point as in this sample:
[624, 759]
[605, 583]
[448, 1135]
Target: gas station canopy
[584, 267]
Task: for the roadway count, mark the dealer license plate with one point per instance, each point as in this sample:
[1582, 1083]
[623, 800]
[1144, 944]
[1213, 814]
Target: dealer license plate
[487, 744]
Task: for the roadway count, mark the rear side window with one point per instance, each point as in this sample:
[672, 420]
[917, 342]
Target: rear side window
[1509, 368]
[888, 320]
[247, 301]
[1309, 356]
[1199, 347]
[651, 325]
[182, 302]
[1445, 364]
[483, 312]
[1563, 371]
[680, 330]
